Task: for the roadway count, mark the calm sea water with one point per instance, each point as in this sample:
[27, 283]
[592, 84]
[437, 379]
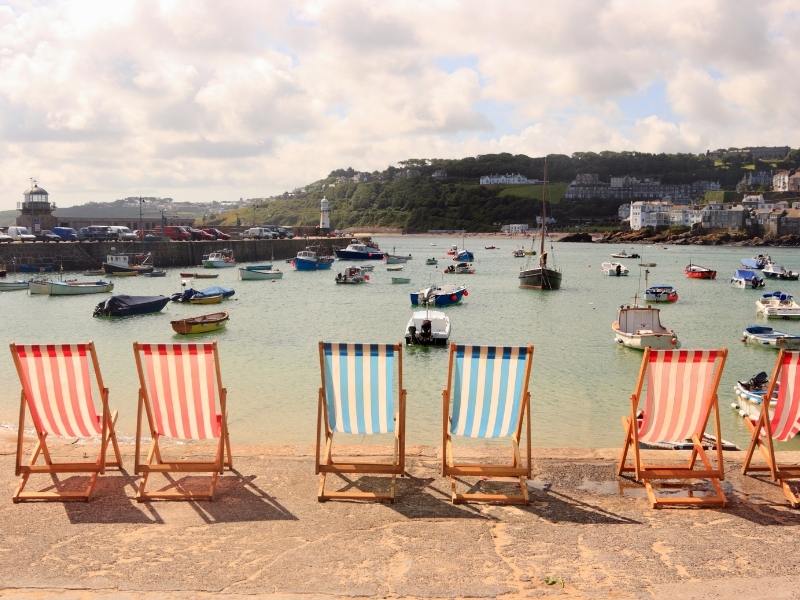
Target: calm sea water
[581, 379]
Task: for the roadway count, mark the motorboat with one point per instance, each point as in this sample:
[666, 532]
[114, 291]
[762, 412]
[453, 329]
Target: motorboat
[352, 275]
[624, 254]
[461, 268]
[777, 305]
[775, 271]
[133, 264]
[431, 261]
[697, 272]
[750, 396]
[661, 293]
[453, 250]
[464, 256]
[490, 247]
[10, 286]
[443, 295]
[761, 335]
[221, 259]
[126, 306]
[69, 288]
[213, 291]
[518, 253]
[745, 279]
[614, 269]
[200, 275]
[757, 262]
[253, 274]
[360, 251]
[201, 324]
[309, 260]
[401, 280]
[428, 328]
[640, 327]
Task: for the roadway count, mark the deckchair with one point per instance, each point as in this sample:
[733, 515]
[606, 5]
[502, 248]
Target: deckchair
[359, 385]
[487, 397]
[180, 386]
[681, 393]
[781, 426]
[57, 391]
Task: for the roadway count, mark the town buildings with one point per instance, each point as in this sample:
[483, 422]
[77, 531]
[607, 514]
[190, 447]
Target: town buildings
[507, 179]
[588, 186]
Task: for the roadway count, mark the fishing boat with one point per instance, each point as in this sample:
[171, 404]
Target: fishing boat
[745, 279]
[428, 328]
[401, 280]
[614, 269]
[624, 254]
[310, 260]
[431, 261]
[200, 275]
[11, 286]
[775, 271]
[443, 295]
[357, 250]
[253, 274]
[128, 264]
[460, 269]
[518, 253]
[761, 335]
[640, 327]
[205, 299]
[697, 272]
[750, 396]
[661, 293]
[69, 288]
[777, 305]
[757, 262]
[126, 306]
[156, 273]
[201, 324]
[543, 277]
[219, 260]
[394, 268]
[352, 275]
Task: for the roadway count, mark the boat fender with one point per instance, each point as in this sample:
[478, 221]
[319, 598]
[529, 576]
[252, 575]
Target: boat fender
[466, 293]
[453, 297]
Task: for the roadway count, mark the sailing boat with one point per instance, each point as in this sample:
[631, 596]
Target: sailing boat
[543, 277]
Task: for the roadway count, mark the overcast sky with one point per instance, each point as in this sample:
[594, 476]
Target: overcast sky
[216, 100]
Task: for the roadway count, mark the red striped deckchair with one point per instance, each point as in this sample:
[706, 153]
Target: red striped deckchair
[781, 426]
[57, 391]
[681, 392]
[180, 386]
[487, 397]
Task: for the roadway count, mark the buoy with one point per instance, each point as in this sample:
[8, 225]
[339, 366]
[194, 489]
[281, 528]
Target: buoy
[453, 297]
[466, 293]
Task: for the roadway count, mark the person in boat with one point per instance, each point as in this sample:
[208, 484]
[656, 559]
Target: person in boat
[619, 270]
[427, 334]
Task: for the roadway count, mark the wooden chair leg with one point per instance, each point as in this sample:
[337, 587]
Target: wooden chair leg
[626, 425]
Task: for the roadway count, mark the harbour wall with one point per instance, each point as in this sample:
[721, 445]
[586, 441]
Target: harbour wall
[76, 256]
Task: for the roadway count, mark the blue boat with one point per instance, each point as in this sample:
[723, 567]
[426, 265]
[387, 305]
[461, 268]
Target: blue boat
[464, 256]
[126, 306]
[745, 279]
[308, 260]
[360, 251]
[190, 293]
[444, 295]
[757, 262]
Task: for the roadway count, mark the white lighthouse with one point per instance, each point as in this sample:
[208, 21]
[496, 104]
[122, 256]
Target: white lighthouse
[324, 214]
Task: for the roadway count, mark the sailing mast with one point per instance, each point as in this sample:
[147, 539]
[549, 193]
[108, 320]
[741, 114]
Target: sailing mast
[542, 253]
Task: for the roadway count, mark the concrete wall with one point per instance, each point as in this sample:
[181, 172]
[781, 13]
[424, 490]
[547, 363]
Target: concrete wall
[75, 256]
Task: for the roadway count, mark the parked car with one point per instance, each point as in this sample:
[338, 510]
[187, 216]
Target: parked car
[150, 235]
[177, 232]
[4, 237]
[68, 234]
[21, 234]
[220, 235]
[121, 233]
[199, 234]
[259, 233]
[45, 235]
[94, 233]
[285, 232]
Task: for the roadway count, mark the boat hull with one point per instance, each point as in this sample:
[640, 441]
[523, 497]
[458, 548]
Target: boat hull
[748, 403]
[127, 306]
[253, 274]
[448, 298]
[353, 255]
[215, 299]
[59, 288]
[401, 280]
[655, 341]
[701, 274]
[202, 324]
[303, 264]
[111, 269]
[10, 286]
[774, 341]
[540, 279]
[218, 264]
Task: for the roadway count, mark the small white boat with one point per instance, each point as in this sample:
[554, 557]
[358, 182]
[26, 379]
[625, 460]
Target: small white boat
[10, 286]
[518, 253]
[394, 267]
[775, 271]
[69, 288]
[761, 335]
[624, 254]
[745, 279]
[777, 305]
[254, 274]
[428, 328]
[640, 327]
[750, 396]
[614, 269]
[661, 292]
[219, 260]
[352, 275]
[392, 259]
[367, 268]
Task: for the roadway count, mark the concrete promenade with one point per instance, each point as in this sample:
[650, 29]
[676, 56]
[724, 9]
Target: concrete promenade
[584, 535]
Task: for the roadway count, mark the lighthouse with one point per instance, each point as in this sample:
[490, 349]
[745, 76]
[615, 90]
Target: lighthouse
[324, 214]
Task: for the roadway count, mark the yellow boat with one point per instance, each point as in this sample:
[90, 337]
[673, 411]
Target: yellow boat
[124, 273]
[201, 324]
[206, 299]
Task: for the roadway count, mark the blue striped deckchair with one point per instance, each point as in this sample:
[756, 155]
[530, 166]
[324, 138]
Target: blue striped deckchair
[359, 385]
[487, 397]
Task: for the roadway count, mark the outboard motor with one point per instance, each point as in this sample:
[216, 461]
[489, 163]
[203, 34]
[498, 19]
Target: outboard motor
[412, 332]
[619, 270]
[426, 334]
[756, 382]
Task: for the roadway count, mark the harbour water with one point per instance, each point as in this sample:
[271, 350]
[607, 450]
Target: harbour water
[581, 380]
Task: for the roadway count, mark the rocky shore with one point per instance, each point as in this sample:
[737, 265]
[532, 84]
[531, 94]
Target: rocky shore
[687, 238]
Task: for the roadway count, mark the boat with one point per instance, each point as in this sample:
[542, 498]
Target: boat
[464, 256]
[761, 335]
[219, 260]
[640, 327]
[205, 299]
[452, 250]
[69, 288]
[352, 275]
[200, 275]
[202, 324]
[395, 260]
[367, 268]
[94, 273]
[624, 254]
[647, 264]
[661, 293]
[215, 290]
[757, 262]
[431, 261]
[394, 268]
[401, 280]
[126, 306]
[697, 272]
[614, 269]
[460, 269]
[156, 273]
[253, 274]
[262, 267]
[518, 253]
[124, 274]
[743, 278]
[128, 263]
[777, 305]
[10, 286]
[428, 328]
[357, 250]
[310, 260]
[491, 247]
[543, 277]
[444, 295]
[775, 271]
[750, 396]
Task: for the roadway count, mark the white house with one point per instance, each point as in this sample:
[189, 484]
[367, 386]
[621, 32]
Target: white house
[780, 181]
[507, 179]
[515, 228]
[650, 214]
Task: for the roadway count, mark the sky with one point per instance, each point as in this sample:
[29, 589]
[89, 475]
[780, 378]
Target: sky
[206, 100]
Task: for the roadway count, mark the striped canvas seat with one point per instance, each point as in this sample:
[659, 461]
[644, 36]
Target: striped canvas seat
[785, 421]
[182, 385]
[487, 390]
[359, 387]
[679, 388]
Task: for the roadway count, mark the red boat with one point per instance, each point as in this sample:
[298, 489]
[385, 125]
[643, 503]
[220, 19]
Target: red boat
[698, 272]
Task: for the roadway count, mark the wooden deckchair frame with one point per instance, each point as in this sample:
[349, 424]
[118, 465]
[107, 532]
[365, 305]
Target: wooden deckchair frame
[780, 473]
[326, 463]
[98, 467]
[154, 462]
[648, 474]
[517, 468]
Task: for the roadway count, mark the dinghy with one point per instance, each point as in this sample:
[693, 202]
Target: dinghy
[640, 327]
[428, 328]
[614, 269]
[697, 272]
[761, 335]
[201, 324]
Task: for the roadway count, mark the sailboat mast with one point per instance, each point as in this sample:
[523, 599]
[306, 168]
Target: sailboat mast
[542, 255]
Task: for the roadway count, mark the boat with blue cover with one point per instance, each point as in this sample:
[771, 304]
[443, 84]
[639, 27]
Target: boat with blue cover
[757, 262]
[126, 306]
[745, 279]
[309, 260]
[208, 292]
[443, 295]
[761, 335]
[464, 256]
[360, 251]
